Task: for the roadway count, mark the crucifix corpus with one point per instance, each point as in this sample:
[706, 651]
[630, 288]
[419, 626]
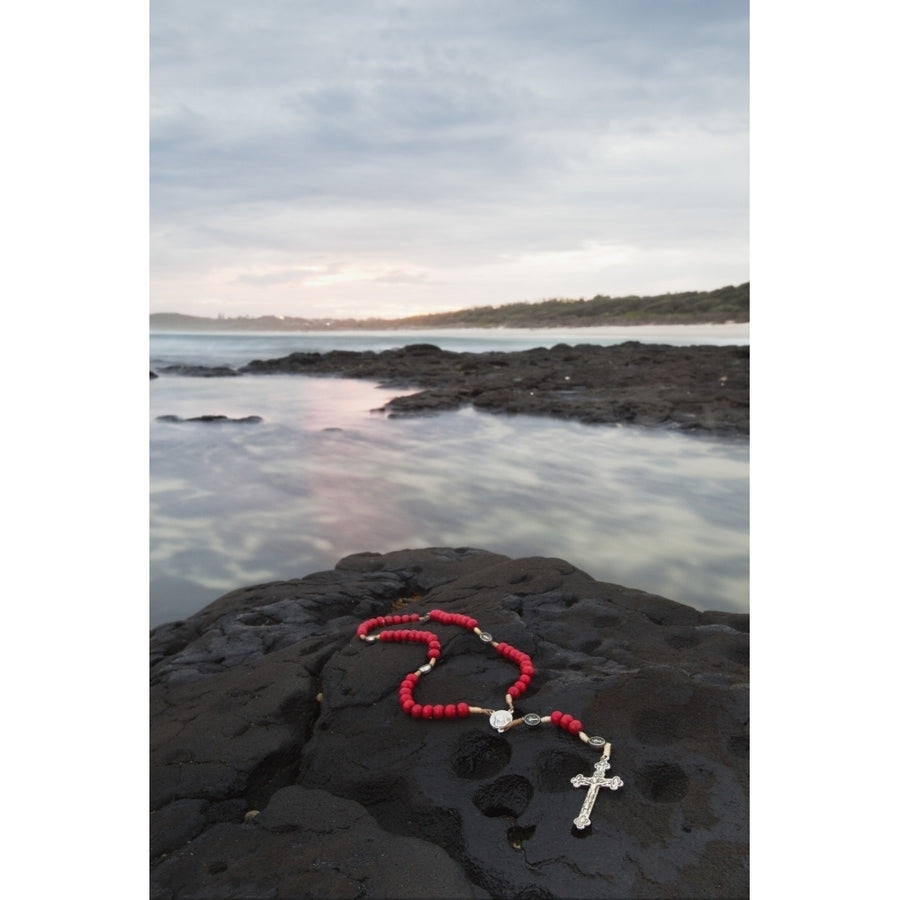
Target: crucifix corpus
[593, 784]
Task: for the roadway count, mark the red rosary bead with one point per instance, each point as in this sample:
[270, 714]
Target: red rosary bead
[448, 618]
[366, 627]
[566, 722]
[453, 710]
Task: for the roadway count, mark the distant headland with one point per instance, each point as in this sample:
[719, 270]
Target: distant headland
[725, 304]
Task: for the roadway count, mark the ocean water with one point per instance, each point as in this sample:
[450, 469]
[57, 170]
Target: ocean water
[238, 349]
[325, 474]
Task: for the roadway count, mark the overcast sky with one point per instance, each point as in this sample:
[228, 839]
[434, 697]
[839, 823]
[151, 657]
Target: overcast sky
[382, 158]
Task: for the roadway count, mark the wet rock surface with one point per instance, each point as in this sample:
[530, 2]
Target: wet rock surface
[214, 419]
[283, 766]
[200, 371]
[697, 388]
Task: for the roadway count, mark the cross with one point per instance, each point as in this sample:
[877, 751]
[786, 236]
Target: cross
[593, 784]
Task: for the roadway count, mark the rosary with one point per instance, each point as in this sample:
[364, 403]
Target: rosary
[502, 720]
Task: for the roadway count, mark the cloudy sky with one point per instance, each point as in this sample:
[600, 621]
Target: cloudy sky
[388, 157]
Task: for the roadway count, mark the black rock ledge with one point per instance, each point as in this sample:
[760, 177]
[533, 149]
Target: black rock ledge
[702, 389]
[282, 765]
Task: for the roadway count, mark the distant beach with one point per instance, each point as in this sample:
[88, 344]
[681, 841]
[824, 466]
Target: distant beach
[737, 331]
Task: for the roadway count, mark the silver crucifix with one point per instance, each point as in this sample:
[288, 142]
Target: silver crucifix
[593, 784]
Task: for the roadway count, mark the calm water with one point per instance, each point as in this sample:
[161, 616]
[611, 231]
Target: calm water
[323, 476]
[239, 349]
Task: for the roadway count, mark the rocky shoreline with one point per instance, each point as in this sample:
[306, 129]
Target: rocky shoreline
[282, 765]
[703, 389]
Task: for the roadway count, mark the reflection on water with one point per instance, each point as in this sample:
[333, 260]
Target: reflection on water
[322, 476]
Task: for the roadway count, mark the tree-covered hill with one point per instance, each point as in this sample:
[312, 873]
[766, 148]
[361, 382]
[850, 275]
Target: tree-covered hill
[726, 304]
[692, 307]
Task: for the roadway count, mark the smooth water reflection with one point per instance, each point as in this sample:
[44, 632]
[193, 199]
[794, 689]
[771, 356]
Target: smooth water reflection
[234, 505]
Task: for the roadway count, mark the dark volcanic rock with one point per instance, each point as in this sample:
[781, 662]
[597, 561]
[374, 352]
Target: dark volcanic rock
[700, 388]
[200, 371]
[246, 420]
[283, 766]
